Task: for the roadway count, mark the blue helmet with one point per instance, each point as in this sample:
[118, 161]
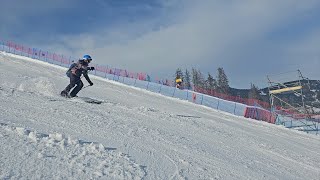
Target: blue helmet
[87, 57]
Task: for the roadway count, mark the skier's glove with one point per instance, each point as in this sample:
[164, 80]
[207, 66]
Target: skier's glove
[91, 68]
[91, 84]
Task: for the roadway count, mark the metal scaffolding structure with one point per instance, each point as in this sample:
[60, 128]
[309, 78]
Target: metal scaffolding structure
[288, 114]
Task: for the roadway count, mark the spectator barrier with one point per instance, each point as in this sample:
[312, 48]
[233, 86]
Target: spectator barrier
[311, 126]
[260, 114]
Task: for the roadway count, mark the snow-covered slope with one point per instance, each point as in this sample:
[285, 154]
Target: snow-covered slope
[134, 134]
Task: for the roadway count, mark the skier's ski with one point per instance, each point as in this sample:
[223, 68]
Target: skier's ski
[79, 99]
[90, 100]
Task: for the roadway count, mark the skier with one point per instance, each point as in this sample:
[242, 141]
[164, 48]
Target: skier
[178, 82]
[74, 73]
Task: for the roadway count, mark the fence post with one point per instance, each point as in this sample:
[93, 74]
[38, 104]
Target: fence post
[114, 73]
[32, 53]
[160, 88]
[148, 85]
[21, 50]
[105, 73]
[235, 106]
[46, 58]
[174, 90]
[61, 60]
[69, 61]
[187, 94]
[218, 104]
[202, 99]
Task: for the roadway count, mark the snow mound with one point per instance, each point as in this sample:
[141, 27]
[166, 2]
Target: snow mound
[55, 156]
[40, 85]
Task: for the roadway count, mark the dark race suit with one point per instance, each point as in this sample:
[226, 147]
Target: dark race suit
[74, 73]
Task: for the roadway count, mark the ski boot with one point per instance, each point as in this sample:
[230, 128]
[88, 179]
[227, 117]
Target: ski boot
[65, 94]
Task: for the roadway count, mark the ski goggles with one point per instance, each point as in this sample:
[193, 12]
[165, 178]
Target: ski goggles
[89, 60]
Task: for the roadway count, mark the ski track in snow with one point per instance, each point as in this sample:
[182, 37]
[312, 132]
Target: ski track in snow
[149, 136]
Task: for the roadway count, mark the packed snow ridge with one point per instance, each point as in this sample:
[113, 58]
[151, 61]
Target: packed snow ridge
[37, 152]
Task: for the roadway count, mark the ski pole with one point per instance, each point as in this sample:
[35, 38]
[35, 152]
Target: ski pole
[86, 86]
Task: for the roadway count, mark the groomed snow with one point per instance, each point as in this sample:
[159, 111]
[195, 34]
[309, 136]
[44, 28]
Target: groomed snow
[134, 134]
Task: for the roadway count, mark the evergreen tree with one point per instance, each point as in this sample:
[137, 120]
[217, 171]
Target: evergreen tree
[222, 82]
[198, 79]
[211, 83]
[202, 81]
[254, 92]
[195, 77]
[179, 73]
[187, 80]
